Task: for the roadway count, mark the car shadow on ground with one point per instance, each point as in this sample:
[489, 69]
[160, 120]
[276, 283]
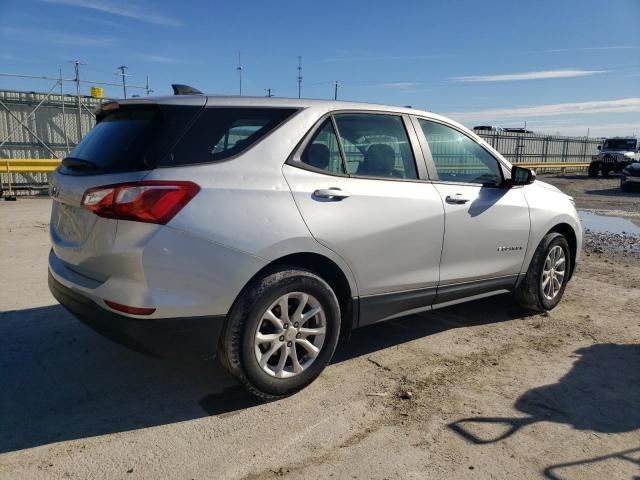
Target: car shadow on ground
[60, 381]
[600, 393]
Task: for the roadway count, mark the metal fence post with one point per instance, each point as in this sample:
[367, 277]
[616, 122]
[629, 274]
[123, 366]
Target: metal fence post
[79, 113]
[64, 117]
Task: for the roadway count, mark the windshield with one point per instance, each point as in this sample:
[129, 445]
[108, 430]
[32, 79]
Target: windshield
[620, 144]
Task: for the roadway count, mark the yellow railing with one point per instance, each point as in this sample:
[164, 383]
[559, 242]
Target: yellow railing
[553, 165]
[26, 165]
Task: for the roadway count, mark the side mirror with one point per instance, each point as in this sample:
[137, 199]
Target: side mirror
[522, 176]
[599, 147]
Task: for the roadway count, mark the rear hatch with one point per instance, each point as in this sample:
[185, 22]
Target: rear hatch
[129, 139]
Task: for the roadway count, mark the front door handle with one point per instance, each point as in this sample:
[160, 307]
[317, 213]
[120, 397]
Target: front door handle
[332, 193]
[457, 199]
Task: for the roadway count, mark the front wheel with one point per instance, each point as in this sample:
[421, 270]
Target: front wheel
[594, 168]
[281, 332]
[545, 281]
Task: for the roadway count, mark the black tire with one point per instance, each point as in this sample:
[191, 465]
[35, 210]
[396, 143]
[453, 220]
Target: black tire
[605, 171]
[529, 293]
[236, 349]
[594, 168]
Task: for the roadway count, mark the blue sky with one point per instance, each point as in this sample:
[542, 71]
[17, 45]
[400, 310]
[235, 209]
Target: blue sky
[561, 66]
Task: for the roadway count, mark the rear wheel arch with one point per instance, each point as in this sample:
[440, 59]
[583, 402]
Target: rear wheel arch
[326, 269]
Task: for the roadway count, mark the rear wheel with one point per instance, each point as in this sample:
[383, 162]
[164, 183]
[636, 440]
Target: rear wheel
[594, 168]
[281, 333]
[545, 281]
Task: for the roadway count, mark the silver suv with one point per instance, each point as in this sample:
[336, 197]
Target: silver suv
[262, 229]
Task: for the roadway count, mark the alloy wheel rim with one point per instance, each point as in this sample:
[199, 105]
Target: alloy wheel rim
[290, 335]
[553, 272]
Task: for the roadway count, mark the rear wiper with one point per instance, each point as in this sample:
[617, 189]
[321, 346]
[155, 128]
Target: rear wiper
[79, 164]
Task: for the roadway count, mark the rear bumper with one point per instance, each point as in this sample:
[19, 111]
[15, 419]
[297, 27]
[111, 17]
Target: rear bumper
[191, 337]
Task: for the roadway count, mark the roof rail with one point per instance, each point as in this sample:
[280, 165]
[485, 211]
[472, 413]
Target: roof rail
[179, 89]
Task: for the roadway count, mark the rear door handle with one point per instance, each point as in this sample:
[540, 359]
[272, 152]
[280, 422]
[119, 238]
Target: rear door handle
[457, 199]
[332, 193]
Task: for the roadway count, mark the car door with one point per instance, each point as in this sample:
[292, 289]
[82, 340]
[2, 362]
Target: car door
[486, 223]
[362, 194]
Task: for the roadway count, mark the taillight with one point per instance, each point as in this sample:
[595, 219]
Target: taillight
[152, 202]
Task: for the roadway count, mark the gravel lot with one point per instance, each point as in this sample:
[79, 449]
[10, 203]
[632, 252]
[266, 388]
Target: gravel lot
[473, 391]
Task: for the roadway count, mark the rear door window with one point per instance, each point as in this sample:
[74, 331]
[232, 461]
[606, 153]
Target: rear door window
[220, 133]
[376, 145]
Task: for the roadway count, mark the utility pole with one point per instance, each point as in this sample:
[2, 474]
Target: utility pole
[335, 91]
[299, 76]
[148, 87]
[79, 112]
[269, 94]
[239, 69]
[122, 68]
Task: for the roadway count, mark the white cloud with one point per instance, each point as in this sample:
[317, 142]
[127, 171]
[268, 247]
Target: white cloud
[595, 129]
[623, 105]
[160, 59]
[137, 11]
[400, 85]
[540, 75]
[59, 38]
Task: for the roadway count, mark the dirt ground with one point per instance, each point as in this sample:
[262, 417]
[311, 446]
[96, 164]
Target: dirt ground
[472, 391]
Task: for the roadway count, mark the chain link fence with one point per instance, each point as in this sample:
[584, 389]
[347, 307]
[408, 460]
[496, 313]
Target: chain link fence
[40, 125]
[520, 147]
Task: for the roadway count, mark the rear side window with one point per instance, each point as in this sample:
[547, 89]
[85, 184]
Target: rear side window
[220, 133]
[323, 151]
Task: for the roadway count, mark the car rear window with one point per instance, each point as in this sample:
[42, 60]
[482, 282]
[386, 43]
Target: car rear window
[220, 133]
[129, 139]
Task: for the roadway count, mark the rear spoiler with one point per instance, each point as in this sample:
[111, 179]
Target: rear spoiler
[113, 106]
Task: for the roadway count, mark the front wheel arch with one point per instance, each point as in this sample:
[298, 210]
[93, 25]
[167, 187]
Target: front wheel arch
[569, 233]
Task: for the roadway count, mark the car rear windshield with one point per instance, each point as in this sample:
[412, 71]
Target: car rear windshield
[220, 133]
[133, 139]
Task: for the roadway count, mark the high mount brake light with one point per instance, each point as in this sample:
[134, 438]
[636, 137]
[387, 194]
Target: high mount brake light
[151, 202]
